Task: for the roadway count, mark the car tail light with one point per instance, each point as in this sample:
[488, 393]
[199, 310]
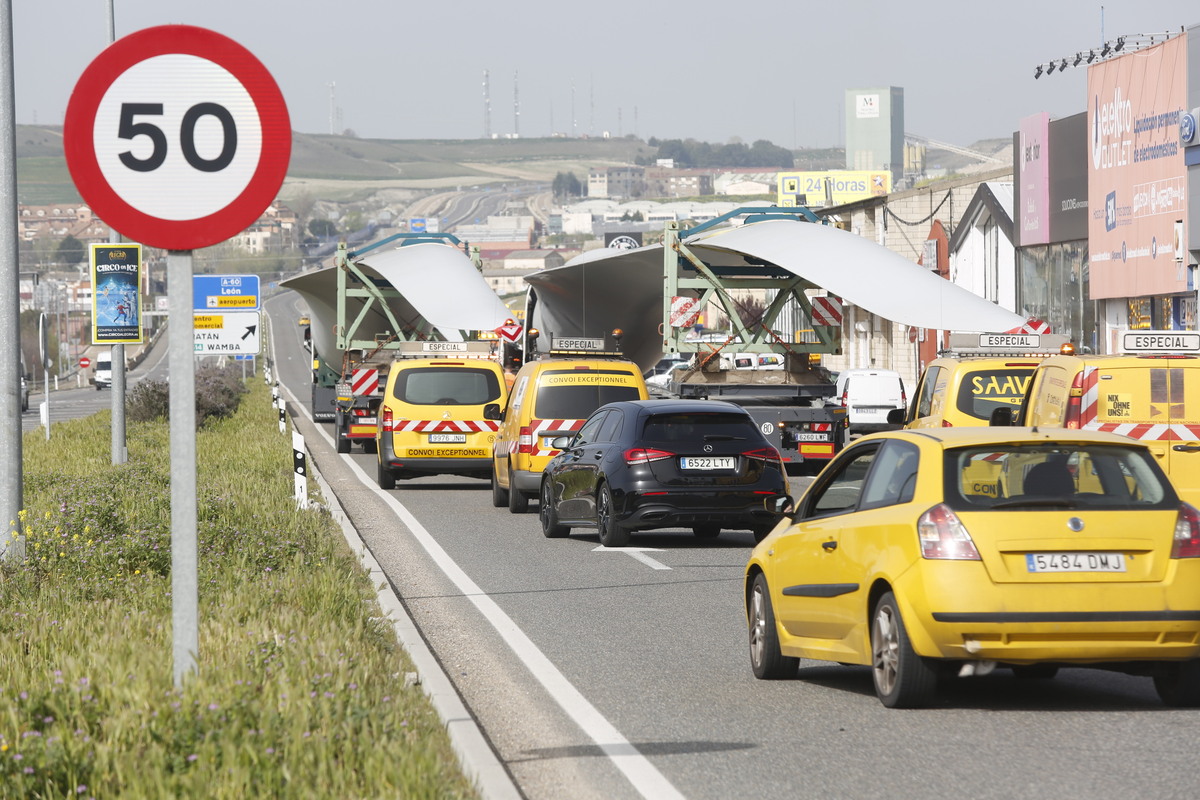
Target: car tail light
[943, 535]
[359, 412]
[525, 440]
[764, 454]
[1187, 533]
[845, 398]
[903, 397]
[644, 455]
[947, 423]
[1071, 419]
[387, 420]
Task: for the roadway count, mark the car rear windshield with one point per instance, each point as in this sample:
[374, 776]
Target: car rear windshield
[988, 389]
[695, 427]
[434, 386]
[1059, 475]
[578, 400]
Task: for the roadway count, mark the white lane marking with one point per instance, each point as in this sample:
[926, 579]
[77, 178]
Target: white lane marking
[645, 778]
[638, 553]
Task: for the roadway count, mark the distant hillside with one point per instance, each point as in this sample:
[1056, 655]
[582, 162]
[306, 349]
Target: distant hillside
[341, 168]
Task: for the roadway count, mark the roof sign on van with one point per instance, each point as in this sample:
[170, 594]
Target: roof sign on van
[577, 343]
[1160, 341]
[426, 348]
[1010, 340]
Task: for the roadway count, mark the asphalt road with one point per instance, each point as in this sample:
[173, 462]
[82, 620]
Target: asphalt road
[74, 397]
[624, 673]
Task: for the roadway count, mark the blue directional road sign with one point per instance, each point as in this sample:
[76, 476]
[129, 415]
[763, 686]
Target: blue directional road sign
[225, 292]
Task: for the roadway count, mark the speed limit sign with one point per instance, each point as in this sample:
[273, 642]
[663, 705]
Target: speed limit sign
[177, 137]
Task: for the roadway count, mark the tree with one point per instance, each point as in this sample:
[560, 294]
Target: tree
[322, 228]
[70, 251]
[566, 185]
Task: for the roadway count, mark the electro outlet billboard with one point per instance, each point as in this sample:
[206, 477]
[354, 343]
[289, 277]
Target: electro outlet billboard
[1137, 181]
[1033, 169]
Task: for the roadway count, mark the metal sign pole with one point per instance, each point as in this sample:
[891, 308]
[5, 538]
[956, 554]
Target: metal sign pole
[117, 444]
[44, 357]
[12, 547]
[182, 407]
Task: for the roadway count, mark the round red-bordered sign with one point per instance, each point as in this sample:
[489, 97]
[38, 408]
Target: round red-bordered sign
[177, 137]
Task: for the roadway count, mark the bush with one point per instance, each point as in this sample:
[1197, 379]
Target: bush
[218, 392]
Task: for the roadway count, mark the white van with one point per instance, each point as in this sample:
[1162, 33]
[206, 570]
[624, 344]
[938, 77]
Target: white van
[103, 375]
[868, 395]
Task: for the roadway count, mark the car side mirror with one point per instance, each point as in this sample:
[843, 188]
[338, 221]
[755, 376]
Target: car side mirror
[897, 416]
[561, 442]
[1001, 417]
[492, 411]
[779, 504]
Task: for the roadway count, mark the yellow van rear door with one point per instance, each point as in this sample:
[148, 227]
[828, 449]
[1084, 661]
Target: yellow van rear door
[1183, 406]
[1157, 402]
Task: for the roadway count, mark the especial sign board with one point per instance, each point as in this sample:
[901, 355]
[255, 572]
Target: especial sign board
[116, 271]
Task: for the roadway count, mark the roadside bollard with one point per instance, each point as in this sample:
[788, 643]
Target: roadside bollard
[301, 468]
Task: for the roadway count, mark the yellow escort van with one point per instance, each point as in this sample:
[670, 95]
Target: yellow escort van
[432, 418]
[551, 397]
[1150, 392]
[957, 392]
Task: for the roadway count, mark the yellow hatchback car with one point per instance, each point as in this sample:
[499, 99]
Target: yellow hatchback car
[955, 550]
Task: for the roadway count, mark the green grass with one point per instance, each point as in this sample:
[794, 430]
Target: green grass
[300, 688]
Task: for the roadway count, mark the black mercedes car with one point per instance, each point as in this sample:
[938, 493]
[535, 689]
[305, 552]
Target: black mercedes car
[642, 464]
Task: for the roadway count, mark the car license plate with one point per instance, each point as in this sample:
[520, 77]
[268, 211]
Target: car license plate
[707, 462]
[1075, 562]
[812, 437]
[548, 442]
[447, 438]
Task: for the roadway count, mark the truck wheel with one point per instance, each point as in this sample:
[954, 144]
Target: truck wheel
[343, 444]
[518, 501]
[370, 447]
[499, 495]
[386, 479]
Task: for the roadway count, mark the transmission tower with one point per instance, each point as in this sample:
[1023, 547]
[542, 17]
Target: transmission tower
[332, 107]
[487, 107]
[516, 108]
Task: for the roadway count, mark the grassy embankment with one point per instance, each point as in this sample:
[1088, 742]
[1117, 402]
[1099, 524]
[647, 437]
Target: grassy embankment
[300, 689]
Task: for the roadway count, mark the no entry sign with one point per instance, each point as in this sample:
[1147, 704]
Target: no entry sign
[177, 136]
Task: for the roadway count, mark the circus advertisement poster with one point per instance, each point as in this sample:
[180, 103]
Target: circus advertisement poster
[116, 306]
[1137, 181]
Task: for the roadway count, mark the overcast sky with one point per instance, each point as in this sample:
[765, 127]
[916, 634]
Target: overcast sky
[706, 69]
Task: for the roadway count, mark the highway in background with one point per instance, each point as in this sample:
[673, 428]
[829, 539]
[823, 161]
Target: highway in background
[76, 397]
[624, 673]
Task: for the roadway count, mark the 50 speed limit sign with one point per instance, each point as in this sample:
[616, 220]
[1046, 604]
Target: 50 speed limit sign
[177, 137]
